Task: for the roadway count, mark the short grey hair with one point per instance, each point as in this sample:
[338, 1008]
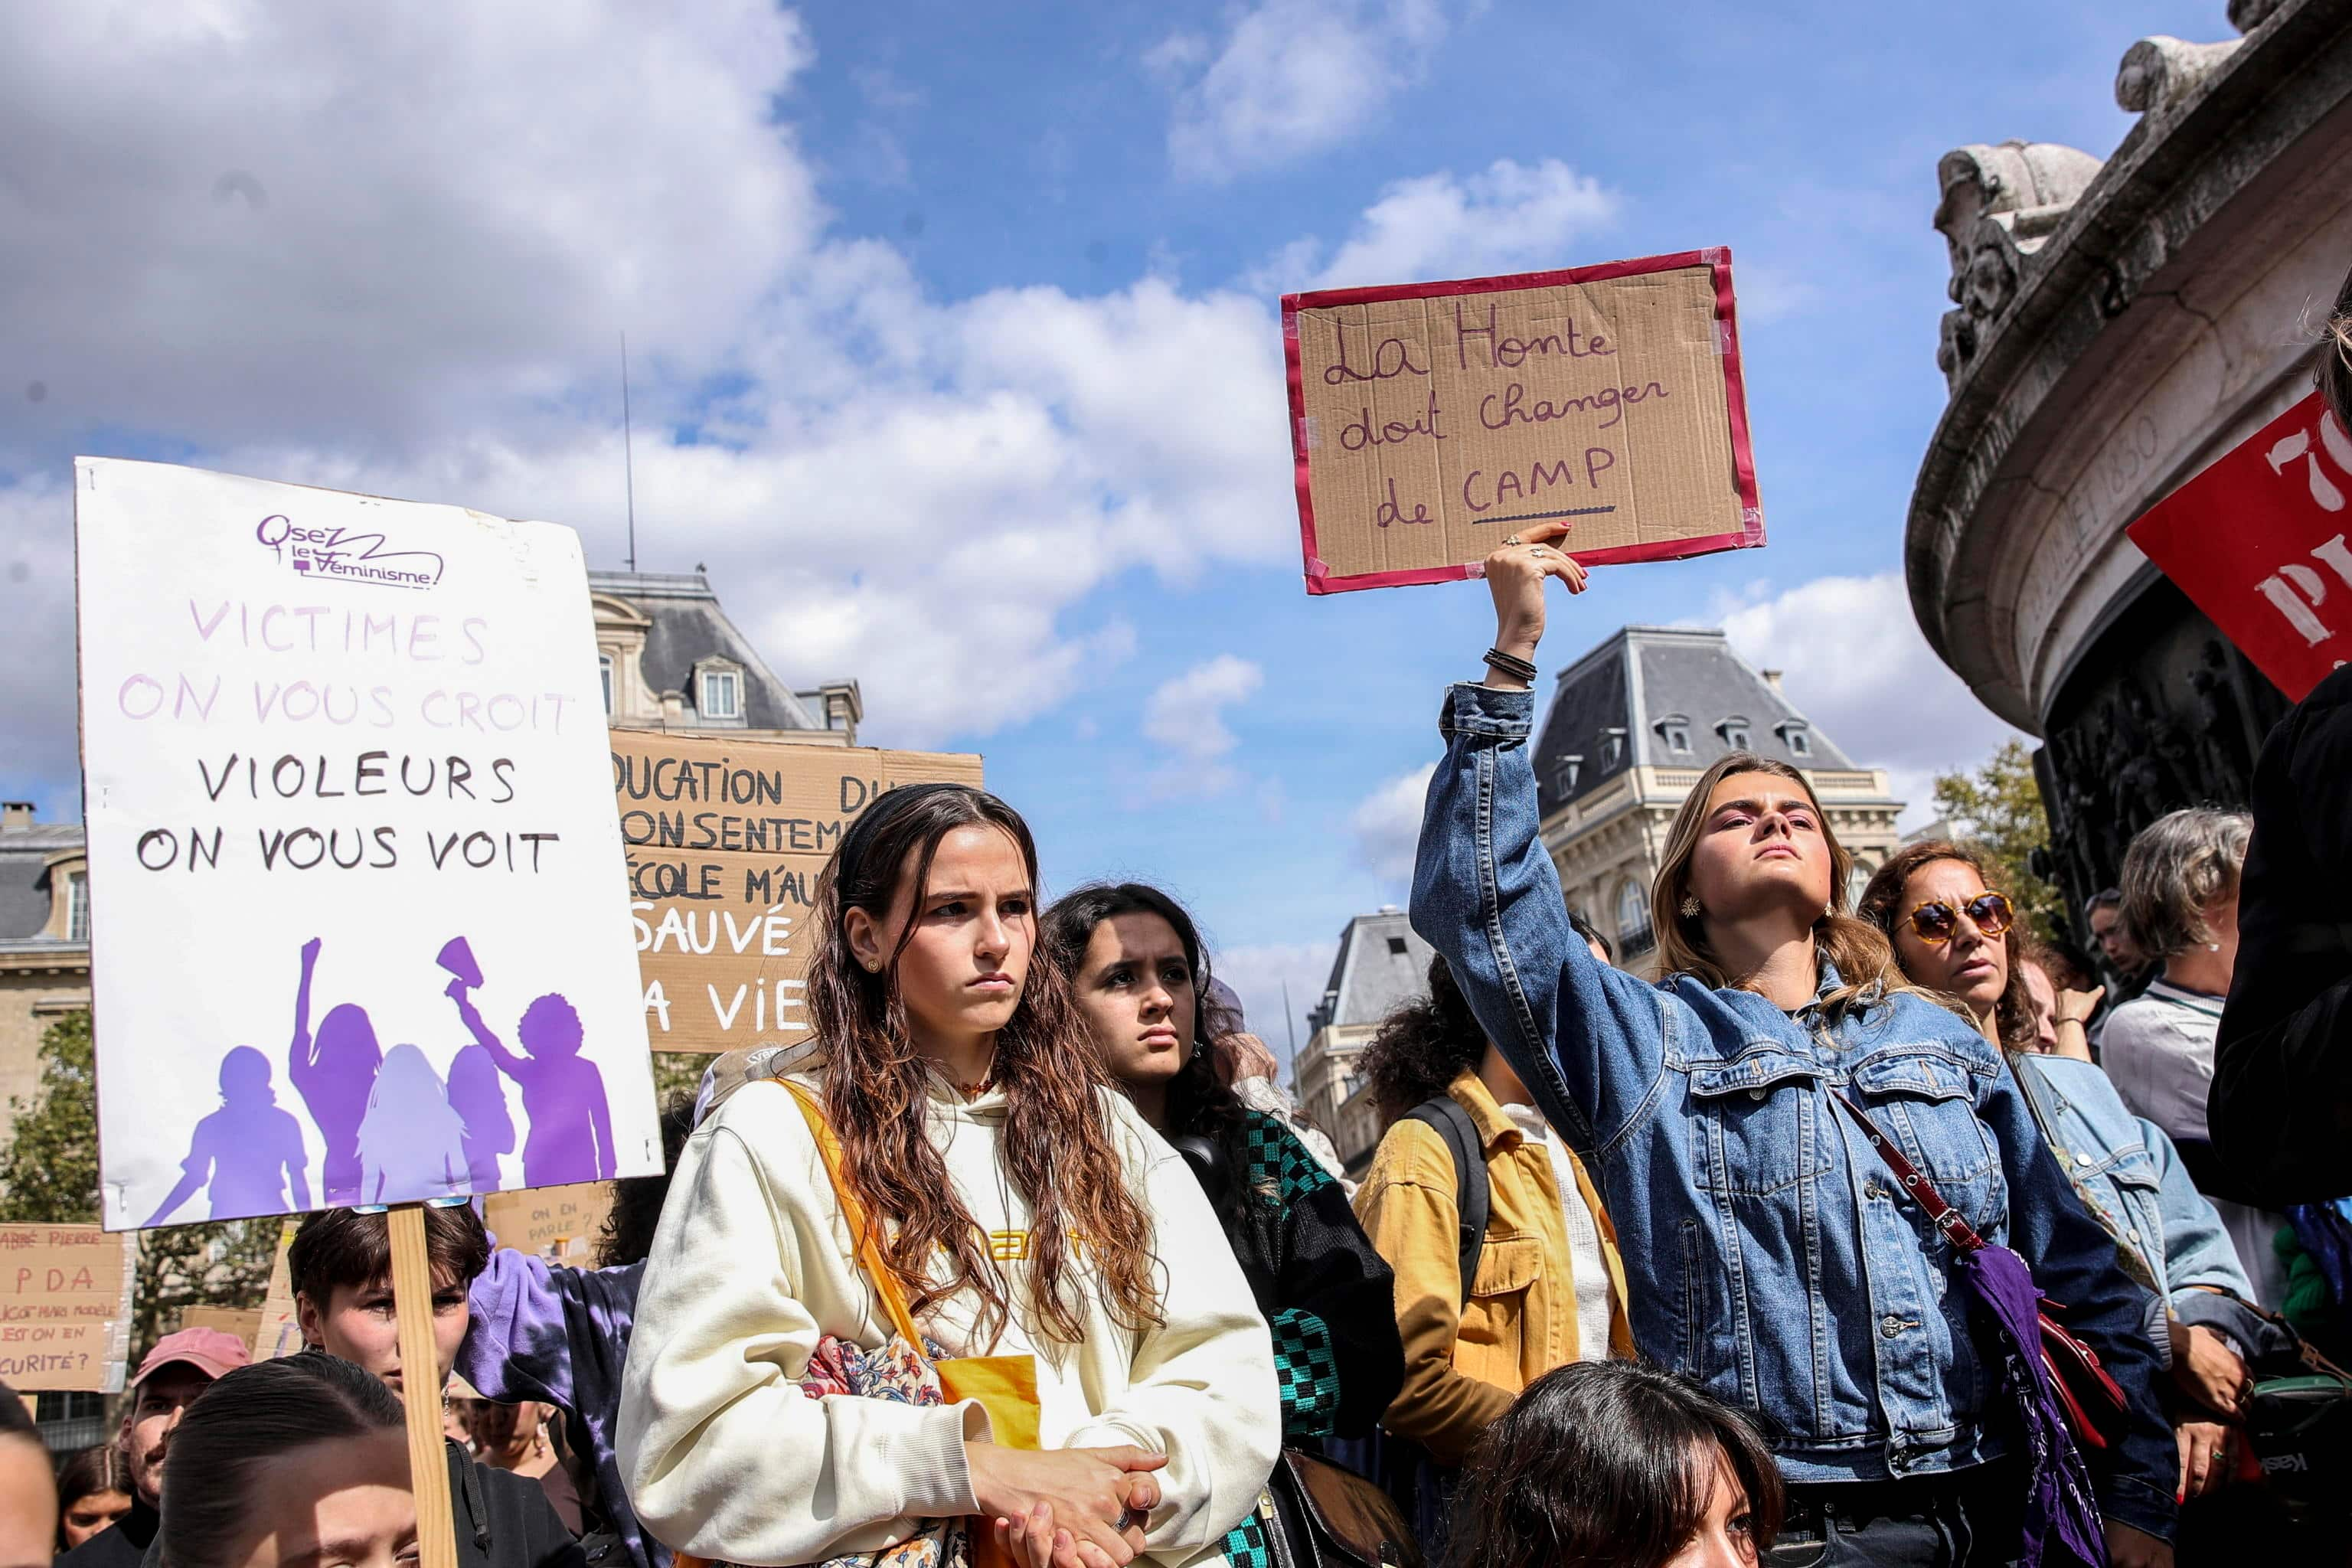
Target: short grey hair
[2179, 864]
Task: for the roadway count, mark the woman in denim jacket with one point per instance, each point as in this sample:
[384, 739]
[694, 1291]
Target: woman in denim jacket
[1768, 1253]
[1956, 935]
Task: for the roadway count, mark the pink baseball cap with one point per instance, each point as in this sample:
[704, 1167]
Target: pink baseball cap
[209, 1350]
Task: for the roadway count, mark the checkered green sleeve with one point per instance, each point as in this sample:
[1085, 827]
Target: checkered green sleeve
[1336, 1304]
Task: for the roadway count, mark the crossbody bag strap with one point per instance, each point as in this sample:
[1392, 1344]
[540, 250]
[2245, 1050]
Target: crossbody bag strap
[1943, 1216]
[862, 1235]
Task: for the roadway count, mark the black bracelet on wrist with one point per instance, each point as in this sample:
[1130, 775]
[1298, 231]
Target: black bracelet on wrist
[1511, 665]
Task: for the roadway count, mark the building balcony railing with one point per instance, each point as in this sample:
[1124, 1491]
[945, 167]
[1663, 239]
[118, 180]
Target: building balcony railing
[1638, 942]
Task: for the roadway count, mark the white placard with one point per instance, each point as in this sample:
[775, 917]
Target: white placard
[360, 926]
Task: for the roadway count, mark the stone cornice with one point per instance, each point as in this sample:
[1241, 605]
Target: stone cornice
[2215, 122]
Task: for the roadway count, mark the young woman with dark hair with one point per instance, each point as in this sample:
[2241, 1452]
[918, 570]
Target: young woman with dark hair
[1734, 1113]
[1140, 979]
[93, 1491]
[975, 1131]
[1616, 1465]
[1546, 1286]
[302, 1459]
[1955, 933]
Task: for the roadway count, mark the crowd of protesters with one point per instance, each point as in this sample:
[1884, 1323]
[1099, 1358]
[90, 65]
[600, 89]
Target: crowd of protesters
[1876, 1231]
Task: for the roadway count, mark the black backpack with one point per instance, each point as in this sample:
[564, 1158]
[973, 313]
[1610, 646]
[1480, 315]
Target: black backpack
[1471, 1194]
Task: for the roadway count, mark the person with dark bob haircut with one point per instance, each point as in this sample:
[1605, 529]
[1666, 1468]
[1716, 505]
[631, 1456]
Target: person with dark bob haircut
[1615, 1464]
[290, 1458]
[340, 1267]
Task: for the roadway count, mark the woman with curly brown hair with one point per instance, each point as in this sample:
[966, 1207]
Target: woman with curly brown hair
[1021, 1207]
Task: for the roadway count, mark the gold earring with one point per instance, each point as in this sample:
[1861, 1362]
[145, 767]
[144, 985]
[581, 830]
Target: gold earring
[1690, 906]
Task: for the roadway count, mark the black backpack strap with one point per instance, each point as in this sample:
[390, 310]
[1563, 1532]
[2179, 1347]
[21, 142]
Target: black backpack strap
[1471, 1194]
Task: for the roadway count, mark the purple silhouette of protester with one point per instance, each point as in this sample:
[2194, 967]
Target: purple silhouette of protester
[479, 1095]
[411, 1145]
[571, 1137]
[246, 1152]
[334, 1073]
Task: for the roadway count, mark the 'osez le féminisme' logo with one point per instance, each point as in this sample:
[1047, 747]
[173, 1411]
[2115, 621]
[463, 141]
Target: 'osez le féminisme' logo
[336, 554]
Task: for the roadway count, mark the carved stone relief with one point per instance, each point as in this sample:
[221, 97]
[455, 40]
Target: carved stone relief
[1998, 205]
[2160, 73]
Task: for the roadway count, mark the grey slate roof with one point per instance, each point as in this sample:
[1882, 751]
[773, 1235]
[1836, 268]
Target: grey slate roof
[688, 626]
[1642, 681]
[23, 889]
[1380, 963]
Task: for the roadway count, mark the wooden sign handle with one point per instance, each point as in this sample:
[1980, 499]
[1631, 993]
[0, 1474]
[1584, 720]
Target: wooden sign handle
[428, 1465]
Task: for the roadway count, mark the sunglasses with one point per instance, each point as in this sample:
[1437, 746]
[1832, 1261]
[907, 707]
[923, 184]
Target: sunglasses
[1936, 922]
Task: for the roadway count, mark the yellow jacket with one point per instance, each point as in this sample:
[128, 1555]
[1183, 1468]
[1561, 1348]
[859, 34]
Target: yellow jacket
[1463, 1363]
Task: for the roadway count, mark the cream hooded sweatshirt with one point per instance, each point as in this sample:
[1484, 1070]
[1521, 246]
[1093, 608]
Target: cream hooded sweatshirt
[725, 1457]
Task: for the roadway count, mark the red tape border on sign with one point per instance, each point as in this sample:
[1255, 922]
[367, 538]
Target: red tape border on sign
[1717, 259]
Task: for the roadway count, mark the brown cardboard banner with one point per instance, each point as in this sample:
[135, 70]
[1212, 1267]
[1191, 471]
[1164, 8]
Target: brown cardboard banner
[559, 1224]
[280, 1330]
[237, 1322]
[725, 840]
[1432, 421]
[64, 1306]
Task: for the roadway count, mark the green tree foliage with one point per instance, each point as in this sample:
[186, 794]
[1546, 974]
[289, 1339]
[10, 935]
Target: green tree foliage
[48, 1172]
[48, 1176]
[1997, 811]
[676, 1072]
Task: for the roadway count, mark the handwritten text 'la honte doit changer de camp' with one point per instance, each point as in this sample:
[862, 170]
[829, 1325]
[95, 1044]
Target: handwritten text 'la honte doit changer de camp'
[1502, 407]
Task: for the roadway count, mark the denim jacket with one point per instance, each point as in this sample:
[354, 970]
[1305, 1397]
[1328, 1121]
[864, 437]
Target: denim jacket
[2131, 1175]
[1767, 1252]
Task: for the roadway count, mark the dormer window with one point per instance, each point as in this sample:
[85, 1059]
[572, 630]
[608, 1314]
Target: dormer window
[1613, 749]
[1793, 736]
[1674, 730]
[722, 693]
[1565, 772]
[77, 907]
[1735, 732]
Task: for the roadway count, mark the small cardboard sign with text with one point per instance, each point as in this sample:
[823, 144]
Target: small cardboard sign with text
[725, 841]
[558, 1224]
[280, 1330]
[64, 1306]
[1429, 421]
[2257, 542]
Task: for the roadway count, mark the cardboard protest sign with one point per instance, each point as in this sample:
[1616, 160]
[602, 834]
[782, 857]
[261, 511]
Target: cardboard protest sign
[64, 1306]
[237, 1322]
[1429, 421]
[280, 1330]
[2257, 542]
[353, 853]
[559, 1224]
[725, 841]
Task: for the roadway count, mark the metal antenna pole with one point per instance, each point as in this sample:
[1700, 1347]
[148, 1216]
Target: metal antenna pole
[628, 461]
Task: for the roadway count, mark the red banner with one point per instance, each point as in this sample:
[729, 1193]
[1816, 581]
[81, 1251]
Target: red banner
[2258, 541]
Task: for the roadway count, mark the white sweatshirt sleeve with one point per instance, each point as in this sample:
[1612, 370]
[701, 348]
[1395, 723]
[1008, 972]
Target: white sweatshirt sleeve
[1202, 1389]
[722, 1453]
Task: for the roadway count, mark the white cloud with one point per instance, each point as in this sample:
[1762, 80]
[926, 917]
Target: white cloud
[1507, 218]
[1186, 713]
[1855, 662]
[1291, 78]
[1258, 975]
[1387, 825]
[453, 222]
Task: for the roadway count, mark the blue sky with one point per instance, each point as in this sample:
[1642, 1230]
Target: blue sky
[954, 343]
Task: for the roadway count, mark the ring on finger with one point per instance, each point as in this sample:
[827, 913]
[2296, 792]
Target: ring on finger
[1514, 539]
